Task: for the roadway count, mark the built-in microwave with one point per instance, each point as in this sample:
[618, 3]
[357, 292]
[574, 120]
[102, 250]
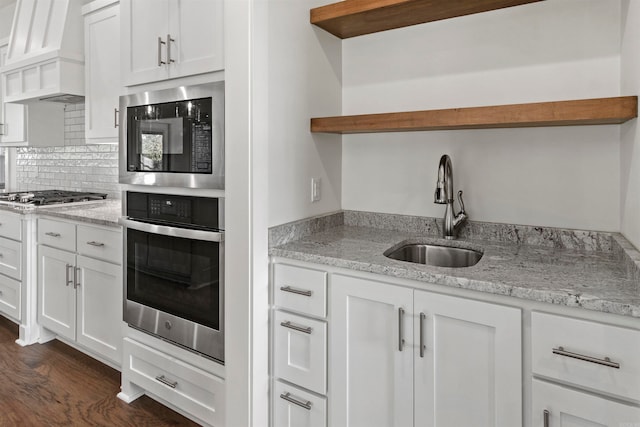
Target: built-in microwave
[173, 137]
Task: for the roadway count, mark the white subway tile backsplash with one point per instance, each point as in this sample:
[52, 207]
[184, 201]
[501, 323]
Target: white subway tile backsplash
[75, 166]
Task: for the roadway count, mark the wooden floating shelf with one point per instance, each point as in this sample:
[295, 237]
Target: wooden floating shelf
[351, 18]
[599, 111]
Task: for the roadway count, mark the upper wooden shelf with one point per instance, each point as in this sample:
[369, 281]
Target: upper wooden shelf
[599, 111]
[351, 18]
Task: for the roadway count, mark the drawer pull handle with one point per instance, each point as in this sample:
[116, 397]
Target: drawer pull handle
[545, 418]
[287, 396]
[93, 243]
[296, 291]
[606, 361]
[52, 234]
[166, 382]
[288, 324]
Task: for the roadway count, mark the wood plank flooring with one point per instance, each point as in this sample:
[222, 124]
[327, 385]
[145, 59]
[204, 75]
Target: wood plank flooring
[53, 384]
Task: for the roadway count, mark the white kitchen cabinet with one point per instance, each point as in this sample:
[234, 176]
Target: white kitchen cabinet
[80, 298]
[296, 407]
[585, 373]
[102, 70]
[12, 123]
[558, 406]
[11, 265]
[196, 391]
[371, 354]
[468, 373]
[164, 39]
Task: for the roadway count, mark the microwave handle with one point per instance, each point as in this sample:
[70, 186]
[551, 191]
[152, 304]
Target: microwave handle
[186, 233]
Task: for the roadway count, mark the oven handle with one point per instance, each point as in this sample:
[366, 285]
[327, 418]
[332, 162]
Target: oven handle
[211, 236]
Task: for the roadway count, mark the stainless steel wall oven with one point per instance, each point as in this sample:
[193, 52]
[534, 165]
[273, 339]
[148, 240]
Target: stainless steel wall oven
[173, 137]
[174, 274]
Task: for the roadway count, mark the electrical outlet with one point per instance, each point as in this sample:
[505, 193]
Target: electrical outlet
[315, 189]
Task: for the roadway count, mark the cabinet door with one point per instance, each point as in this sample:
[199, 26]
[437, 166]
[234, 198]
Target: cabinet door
[12, 124]
[57, 292]
[100, 307]
[294, 407]
[570, 408]
[143, 21]
[371, 371]
[102, 73]
[196, 27]
[469, 372]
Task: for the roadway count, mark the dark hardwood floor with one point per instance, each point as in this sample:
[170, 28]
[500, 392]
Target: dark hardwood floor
[53, 384]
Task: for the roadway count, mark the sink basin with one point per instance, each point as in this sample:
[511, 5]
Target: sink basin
[439, 256]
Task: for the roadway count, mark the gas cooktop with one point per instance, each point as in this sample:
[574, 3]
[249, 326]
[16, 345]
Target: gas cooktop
[50, 197]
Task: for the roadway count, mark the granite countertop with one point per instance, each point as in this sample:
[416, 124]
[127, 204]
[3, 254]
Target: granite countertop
[102, 212]
[105, 212]
[595, 271]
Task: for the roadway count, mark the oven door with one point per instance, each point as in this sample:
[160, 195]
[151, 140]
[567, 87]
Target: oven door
[174, 285]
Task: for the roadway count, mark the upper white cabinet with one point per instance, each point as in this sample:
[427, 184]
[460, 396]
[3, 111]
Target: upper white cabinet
[164, 39]
[102, 70]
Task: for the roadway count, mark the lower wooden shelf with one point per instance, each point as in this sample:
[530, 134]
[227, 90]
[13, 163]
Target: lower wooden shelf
[598, 111]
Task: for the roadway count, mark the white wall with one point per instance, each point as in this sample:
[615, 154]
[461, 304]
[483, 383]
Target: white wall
[304, 81]
[6, 18]
[630, 148]
[552, 50]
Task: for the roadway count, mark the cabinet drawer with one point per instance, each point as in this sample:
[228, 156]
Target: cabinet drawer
[293, 406]
[100, 243]
[568, 407]
[11, 258]
[191, 389]
[11, 227]
[10, 297]
[594, 340]
[300, 351]
[300, 289]
[58, 234]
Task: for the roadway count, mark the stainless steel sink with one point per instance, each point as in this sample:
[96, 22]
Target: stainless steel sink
[439, 256]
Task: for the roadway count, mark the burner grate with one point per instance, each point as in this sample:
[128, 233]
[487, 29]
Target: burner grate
[51, 197]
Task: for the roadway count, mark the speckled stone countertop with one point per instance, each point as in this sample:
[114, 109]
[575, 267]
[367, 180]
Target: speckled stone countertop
[103, 212]
[592, 270]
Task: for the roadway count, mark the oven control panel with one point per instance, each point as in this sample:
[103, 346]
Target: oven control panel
[196, 212]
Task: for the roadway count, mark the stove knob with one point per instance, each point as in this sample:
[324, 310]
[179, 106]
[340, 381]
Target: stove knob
[168, 324]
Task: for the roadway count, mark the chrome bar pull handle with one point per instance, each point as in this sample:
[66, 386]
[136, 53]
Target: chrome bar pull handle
[305, 329]
[545, 418]
[160, 61]
[422, 319]
[169, 40]
[400, 329]
[94, 243]
[605, 362]
[76, 277]
[304, 292]
[68, 275]
[287, 396]
[115, 117]
[3, 129]
[165, 381]
[52, 234]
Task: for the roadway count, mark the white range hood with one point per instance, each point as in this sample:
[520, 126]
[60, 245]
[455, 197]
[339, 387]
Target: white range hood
[45, 57]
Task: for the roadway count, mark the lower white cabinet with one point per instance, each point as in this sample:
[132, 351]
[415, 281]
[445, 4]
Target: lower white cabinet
[193, 390]
[296, 407]
[80, 299]
[583, 372]
[402, 357]
[558, 406]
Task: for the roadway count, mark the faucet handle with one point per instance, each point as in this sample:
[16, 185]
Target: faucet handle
[462, 211]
